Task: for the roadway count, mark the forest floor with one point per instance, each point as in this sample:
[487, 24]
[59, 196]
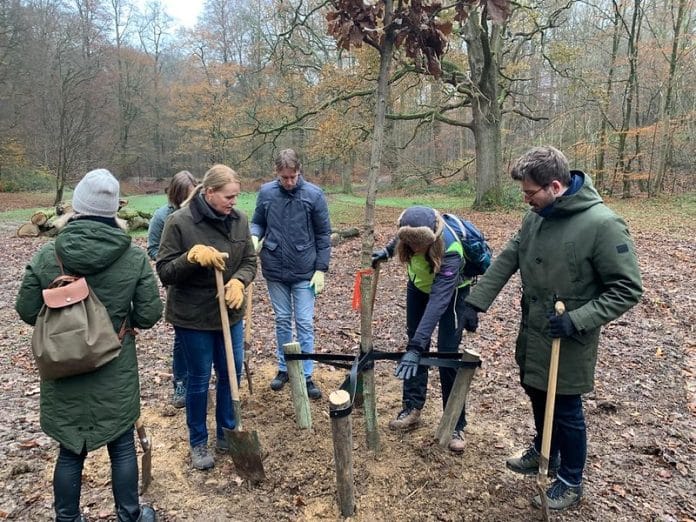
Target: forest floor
[641, 417]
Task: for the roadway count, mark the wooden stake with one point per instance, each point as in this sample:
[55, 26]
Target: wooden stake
[342, 431]
[298, 387]
[456, 400]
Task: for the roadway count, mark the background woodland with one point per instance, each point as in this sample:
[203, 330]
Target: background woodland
[86, 83]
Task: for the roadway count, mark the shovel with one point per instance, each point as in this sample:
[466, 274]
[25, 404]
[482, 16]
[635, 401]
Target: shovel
[247, 335]
[244, 446]
[542, 477]
[146, 460]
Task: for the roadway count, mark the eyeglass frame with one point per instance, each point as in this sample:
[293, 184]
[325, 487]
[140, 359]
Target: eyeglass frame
[530, 196]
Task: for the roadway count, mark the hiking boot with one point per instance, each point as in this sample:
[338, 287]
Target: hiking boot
[147, 514]
[279, 381]
[179, 397]
[221, 446]
[201, 457]
[407, 419]
[528, 463]
[456, 443]
[312, 390]
[560, 495]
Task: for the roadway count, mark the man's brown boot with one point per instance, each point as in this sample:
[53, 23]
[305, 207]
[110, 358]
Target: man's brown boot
[407, 419]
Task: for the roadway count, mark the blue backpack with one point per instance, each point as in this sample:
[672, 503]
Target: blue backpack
[477, 252]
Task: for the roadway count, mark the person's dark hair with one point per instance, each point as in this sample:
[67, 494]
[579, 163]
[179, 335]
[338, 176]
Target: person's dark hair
[542, 165]
[180, 187]
[287, 159]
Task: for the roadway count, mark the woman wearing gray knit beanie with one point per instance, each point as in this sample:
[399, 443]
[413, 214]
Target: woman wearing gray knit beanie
[85, 412]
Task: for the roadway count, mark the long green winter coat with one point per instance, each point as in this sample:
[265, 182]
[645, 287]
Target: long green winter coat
[581, 254]
[192, 295]
[92, 409]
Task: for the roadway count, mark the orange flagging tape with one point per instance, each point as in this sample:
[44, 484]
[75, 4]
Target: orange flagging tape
[357, 295]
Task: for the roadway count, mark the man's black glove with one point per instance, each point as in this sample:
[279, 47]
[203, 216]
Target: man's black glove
[378, 256]
[470, 317]
[561, 325]
[408, 365]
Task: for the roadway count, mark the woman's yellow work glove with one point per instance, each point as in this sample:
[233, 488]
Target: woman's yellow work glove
[206, 256]
[317, 282]
[234, 293]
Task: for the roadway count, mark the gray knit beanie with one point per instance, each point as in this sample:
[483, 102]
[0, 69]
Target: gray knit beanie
[96, 194]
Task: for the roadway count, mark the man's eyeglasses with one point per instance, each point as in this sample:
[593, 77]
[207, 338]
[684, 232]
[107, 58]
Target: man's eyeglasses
[530, 195]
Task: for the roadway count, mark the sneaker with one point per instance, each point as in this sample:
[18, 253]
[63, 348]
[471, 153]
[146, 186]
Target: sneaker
[312, 390]
[560, 495]
[221, 446]
[456, 444]
[407, 419]
[179, 397]
[279, 381]
[147, 514]
[528, 463]
[201, 457]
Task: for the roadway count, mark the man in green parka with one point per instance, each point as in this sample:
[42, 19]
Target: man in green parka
[573, 248]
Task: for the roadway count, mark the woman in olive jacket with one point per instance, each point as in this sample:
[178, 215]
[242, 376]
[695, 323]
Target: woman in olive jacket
[206, 234]
[87, 411]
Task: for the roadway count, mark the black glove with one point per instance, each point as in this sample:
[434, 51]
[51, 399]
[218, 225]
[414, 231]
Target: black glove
[470, 317]
[561, 325]
[378, 256]
[408, 365]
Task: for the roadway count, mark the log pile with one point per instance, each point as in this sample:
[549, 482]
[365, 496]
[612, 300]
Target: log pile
[43, 222]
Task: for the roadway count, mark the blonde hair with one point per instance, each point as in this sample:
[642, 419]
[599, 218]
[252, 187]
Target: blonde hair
[214, 179]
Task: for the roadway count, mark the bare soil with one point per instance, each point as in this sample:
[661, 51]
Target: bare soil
[641, 417]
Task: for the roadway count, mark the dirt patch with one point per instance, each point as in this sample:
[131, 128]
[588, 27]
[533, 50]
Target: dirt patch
[642, 438]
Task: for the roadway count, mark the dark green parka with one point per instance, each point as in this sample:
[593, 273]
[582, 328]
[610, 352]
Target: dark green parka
[90, 410]
[582, 254]
[191, 292]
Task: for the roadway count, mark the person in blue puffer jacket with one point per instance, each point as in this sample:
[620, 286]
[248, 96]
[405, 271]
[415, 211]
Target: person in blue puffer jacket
[291, 231]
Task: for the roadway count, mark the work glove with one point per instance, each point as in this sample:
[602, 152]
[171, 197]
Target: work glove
[408, 365]
[234, 294]
[257, 244]
[470, 317]
[317, 282]
[378, 256]
[206, 256]
[561, 325]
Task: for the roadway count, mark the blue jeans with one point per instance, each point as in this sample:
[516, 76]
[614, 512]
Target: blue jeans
[569, 437]
[449, 336]
[179, 370]
[67, 480]
[205, 349]
[286, 299]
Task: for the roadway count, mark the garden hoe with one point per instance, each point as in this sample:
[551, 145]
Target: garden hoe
[146, 460]
[244, 446]
[542, 476]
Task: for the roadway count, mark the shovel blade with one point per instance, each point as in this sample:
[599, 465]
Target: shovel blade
[246, 454]
[145, 470]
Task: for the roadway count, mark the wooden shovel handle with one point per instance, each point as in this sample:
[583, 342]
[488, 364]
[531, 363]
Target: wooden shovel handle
[229, 355]
[550, 396]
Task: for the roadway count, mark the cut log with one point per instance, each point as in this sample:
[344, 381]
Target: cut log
[28, 230]
[339, 235]
[137, 223]
[39, 218]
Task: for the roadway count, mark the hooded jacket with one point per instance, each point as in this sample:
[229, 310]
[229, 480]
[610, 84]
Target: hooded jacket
[296, 231]
[92, 409]
[581, 253]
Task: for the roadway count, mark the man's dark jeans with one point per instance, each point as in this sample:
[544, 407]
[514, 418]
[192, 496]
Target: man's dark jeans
[569, 432]
[67, 480]
[449, 336]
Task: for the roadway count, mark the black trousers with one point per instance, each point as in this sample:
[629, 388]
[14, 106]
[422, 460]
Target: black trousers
[67, 480]
[450, 330]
